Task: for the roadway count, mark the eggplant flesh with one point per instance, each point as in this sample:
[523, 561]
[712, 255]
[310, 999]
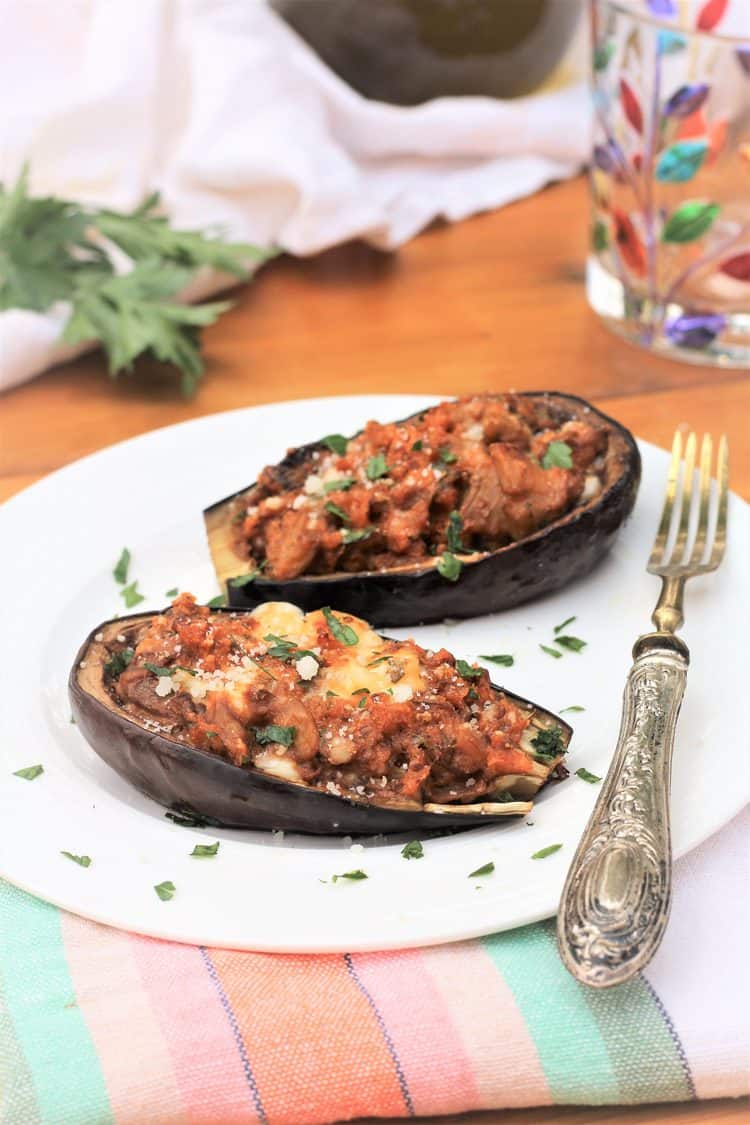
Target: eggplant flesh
[489, 582]
[187, 779]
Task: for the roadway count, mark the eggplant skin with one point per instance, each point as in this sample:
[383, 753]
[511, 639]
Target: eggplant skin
[541, 563]
[187, 779]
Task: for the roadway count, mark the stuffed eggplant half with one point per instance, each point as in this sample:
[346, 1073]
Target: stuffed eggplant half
[307, 722]
[470, 507]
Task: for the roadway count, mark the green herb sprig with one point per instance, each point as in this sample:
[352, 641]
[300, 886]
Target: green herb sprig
[55, 249]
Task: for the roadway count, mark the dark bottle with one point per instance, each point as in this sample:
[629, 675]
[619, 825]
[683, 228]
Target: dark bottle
[408, 51]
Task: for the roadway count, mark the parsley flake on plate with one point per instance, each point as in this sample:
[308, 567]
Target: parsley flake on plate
[504, 659]
[28, 773]
[575, 707]
[485, 869]
[584, 775]
[217, 602]
[172, 593]
[201, 850]
[165, 890]
[568, 621]
[572, 644]
[544, 852]
[81, 860]
[354, 876]
[551, 652]
[120, 572]
[130, 595]
[413, 850]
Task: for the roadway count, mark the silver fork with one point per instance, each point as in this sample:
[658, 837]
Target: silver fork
[616, 899]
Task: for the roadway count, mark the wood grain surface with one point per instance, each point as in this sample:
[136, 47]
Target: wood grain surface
[493, 303]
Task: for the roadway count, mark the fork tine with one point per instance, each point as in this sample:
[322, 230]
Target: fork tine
[688, 473]
[662, 534]
[720, 534]
[705, 500]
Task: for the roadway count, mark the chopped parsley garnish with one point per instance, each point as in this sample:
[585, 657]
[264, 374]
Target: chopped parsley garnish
[244, 579]
[172, 593]
[349, 535]
[467, 671]
[378, 660]
[337, 443]
[28, 773]
[81, 860]
[575, 707]
[280, 648]
[363, 702]
[329, 692]
[120, 572]
[376, 467]
[485, 869]
[585, 775]
[449, 566]
[217, 602]
[205, 849]
[544, 852]
[573, 644]
[273, 733]
[361, 691]
[353, 875]
[445, 455]
[131, 596]
[336, 511]
[551, 652]
[455, 527]
[568, 621]
[344, 634]
[548, 744]
[413, 850]
[165, 890]
[342, 485]
[157, 669]
[186, 820]
[504, 659]
[418, 446]
[558, 455]
[118, 662]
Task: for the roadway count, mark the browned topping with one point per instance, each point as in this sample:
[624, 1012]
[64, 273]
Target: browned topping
[380, 720]
[387, 500]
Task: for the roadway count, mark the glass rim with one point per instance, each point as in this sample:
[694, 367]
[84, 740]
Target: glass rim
[624, 7]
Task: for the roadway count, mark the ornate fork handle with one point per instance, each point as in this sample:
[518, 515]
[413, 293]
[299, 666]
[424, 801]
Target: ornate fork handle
[617, 896]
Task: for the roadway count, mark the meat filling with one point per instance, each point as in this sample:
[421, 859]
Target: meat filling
[323, 700]
[465, 476]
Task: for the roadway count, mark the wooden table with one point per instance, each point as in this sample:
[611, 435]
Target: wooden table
[496, 302]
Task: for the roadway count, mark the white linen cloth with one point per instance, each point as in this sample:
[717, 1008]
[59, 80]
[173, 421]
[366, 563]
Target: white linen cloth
[224, 109]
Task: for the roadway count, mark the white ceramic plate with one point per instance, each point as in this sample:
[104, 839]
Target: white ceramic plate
[60, 540]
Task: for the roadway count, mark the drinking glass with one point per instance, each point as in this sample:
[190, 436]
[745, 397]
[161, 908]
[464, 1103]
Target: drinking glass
[669, 264]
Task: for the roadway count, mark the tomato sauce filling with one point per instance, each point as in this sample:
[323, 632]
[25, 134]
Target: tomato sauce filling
[463, 477]
[324, 700]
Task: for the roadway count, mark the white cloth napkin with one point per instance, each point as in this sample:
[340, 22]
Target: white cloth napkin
[219, 105]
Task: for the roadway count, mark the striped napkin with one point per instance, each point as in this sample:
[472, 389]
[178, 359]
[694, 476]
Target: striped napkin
[99, 1026]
